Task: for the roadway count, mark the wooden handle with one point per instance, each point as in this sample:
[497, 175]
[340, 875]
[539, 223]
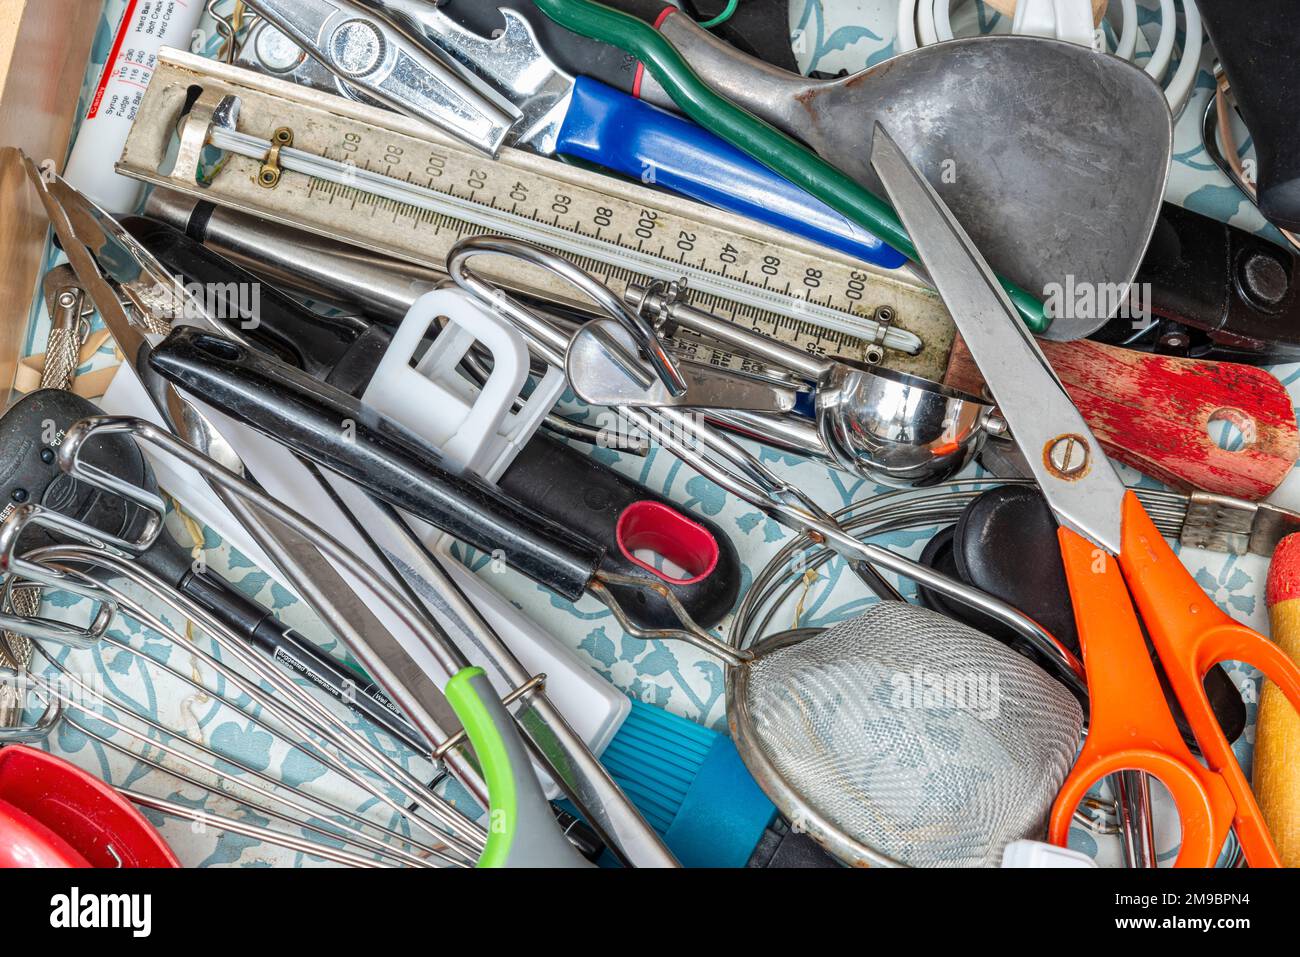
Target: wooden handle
[1277, 729]
[1008, 8]
[1154, 413]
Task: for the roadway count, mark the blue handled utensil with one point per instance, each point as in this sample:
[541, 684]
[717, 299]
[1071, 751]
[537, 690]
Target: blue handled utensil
[584, 119]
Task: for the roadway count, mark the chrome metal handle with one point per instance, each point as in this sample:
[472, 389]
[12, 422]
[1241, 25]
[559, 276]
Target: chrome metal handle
[372, 55]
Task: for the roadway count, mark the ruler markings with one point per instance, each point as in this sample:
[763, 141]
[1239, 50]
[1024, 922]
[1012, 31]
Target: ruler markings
[780, 276]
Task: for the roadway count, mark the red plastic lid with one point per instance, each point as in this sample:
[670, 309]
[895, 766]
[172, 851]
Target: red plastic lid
[88, 817]
[26, 842]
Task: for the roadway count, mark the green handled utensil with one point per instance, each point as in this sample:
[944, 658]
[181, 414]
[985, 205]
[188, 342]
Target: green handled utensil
[747, 132]
[521, 830]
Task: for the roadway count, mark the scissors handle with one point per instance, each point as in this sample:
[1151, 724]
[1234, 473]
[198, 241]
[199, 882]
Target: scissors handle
[1129, 727]
[1191, 635]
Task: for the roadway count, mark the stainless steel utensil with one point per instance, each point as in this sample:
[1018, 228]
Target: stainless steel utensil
[368, 54]
[603, 369]
[887, 426]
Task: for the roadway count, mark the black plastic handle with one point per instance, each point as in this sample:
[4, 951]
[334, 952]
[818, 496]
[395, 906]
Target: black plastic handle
[1259, 46]
[335, 430]
[594, 500]
[30, 432]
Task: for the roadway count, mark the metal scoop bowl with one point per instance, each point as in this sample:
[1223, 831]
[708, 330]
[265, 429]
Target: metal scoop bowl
[1051, 156]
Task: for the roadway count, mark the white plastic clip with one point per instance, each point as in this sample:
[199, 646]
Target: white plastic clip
[474, 428]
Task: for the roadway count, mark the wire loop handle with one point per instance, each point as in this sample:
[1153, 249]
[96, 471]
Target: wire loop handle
[724, 461]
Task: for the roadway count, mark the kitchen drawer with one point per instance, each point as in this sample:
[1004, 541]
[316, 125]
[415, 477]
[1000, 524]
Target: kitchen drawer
[44, 48]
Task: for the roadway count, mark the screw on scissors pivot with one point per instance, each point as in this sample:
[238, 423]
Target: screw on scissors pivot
[1067, 456]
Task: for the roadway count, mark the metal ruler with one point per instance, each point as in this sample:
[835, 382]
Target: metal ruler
[792, 290]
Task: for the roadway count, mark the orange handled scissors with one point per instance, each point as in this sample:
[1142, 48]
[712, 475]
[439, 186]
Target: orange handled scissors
[1114, 559]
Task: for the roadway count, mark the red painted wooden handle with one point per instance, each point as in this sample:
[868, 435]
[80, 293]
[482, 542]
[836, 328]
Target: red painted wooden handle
[1154, 413]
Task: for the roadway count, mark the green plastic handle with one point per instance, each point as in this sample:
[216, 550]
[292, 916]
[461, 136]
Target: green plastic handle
[494, 759]
[746, 132]
[522, 830]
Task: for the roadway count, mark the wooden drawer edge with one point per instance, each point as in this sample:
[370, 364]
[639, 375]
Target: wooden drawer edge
[44, 48]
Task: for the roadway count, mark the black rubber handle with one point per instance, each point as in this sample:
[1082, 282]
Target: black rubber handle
[335, 430]
[342, 350]
[30, 432]
[1259, 46]
[599, 503]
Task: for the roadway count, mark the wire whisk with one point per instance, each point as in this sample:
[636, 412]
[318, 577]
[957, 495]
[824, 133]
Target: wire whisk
[351, 800]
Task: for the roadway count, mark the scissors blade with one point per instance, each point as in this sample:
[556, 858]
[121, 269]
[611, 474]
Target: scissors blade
[129, 337]
[1065, 457]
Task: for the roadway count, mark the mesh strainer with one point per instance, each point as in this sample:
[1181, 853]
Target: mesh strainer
[903, 737]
